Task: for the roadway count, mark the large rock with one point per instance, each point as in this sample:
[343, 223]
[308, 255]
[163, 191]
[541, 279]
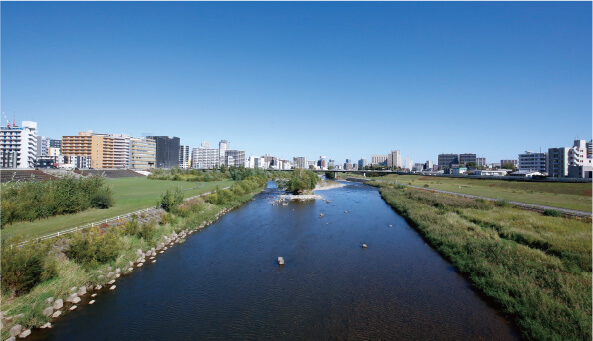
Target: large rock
[16, 330]
[12, 338]
[111, 274]
[48, 311]
[118, 270]
[57, 314]
[76, 300]
[98, 287]
[25, 334]
[72, 297]
[58, 304]
[73, 289]
[81, 290]
[50, 300]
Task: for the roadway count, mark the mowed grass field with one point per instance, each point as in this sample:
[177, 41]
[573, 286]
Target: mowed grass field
[130, 194]
[574, 196]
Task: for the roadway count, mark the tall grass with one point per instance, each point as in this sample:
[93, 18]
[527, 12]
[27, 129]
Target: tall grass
[536, 268]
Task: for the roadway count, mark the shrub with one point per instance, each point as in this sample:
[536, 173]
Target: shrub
[425, 185]
[94, 247]
[170, 199]
[24, 267]
[502, 203]
[102, 199]
[552, 213]
[147, 232]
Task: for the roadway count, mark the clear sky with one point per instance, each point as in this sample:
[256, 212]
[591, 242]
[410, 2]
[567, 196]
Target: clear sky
[344, 80]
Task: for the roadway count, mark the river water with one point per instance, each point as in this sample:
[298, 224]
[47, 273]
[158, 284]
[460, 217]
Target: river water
[224, 281]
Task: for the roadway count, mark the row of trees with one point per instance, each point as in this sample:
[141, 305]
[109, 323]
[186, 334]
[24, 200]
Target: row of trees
[28, 201]
[203, 175]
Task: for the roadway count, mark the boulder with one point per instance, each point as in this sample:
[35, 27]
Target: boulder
[91, 301]
[98, 287]
[76, 300]
[111, 274]
[59, 303]
[72, 307]
[50, 300]
[73, 289]
[81, 290]
[112, 287]
[71, 297]
[118, 270]
[94, 295]
[16, 330]
[148, 253]
[57, 314]
[131, 263]
[12, 338]
[117, 275]
[111, 282]
[364, 246]
[280, 261]
[131, 269]
[154, 261]
[48, 311]
[25, 334]
[139, 265]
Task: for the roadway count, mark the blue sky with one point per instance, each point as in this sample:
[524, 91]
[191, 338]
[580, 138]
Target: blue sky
[344, 80]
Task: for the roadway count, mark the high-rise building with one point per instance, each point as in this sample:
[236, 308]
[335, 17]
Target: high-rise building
[183, 157]
[362, 163]
[205, 157]
[467, 158]
[428, 165]
[99, 147]
[394, 159]
[167, 151]
[409, 163]
[271, 161]
[121, 151]
[18, 145]
[322, 163]
[481, 161]
[331, 163]
[590, 149]
[531, 161]
[142, 153]
[300, 162]
[223, 145]
[446, 160]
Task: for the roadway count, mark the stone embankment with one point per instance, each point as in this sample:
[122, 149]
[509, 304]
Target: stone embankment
[105, 281]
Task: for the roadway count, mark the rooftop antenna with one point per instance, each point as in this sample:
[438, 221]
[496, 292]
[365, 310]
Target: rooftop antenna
[13, 121]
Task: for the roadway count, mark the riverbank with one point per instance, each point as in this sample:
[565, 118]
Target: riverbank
[536, 268]
[75, 278]
[323, 185]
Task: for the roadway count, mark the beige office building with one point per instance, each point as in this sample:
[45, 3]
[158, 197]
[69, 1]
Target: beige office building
[142, 153]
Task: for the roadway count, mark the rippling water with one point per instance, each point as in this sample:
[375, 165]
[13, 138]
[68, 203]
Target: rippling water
[224, 282]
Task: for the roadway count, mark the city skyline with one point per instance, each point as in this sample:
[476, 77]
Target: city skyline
[346, 80]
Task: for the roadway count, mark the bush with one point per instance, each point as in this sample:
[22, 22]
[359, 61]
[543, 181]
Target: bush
[170, 199]
[299, 182]
[147, 232]
[102, 199]
[94, 247]
[552, 213]
[502, 203]
[24, 267]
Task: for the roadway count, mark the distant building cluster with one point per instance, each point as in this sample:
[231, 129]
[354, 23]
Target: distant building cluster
[21, 147]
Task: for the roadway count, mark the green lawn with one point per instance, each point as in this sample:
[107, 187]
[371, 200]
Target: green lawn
[576, 196]
[130, 194]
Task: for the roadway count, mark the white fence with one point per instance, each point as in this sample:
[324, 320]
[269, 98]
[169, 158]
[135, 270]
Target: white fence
[99, 223]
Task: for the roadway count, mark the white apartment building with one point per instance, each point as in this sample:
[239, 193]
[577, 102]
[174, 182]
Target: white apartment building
[18, 145]
[42, 146]
[531, 161]
[300, 162]
[223, 145]
[394, 159]
[205, 157]
[234, 158]
[378, 159]
[183, 157]
[560, 158]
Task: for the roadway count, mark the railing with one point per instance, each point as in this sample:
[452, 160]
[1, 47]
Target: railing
[99, 223]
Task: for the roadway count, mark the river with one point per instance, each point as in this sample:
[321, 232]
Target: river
[224, 281]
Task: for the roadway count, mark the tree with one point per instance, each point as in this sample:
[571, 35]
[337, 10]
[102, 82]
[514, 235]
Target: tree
[508, 165]
[471, 165]
[300, 181]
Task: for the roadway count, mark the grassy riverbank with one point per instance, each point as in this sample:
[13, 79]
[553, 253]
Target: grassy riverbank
[74, 267]
[129, 194]
[536, 268]
[574, 196]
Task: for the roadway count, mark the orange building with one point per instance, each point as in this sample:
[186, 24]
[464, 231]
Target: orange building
[99, 148]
